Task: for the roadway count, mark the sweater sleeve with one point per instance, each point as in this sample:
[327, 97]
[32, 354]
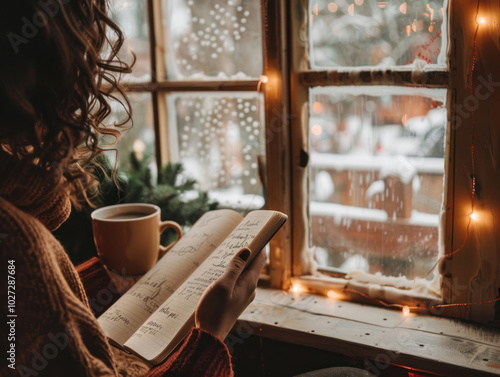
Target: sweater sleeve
[201, 354]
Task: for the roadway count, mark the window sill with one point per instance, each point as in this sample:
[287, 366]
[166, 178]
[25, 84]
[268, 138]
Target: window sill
[378, 335]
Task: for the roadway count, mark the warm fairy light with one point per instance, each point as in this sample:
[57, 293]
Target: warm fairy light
[359, 2]
[317, 107]
[139, 146]
[351, 9]
[406, 310]
[317, 130]
[481, 20]
[382, 4]
[264, 79]
[408, 30]
[473, 216]
[332, 7]
[297, 288]
[332, 294]
[315, 9]
[403, 8]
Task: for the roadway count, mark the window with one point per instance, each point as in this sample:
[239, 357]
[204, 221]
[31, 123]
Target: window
[376, 92]
[195, 85]
[377, 152]
[356, 118]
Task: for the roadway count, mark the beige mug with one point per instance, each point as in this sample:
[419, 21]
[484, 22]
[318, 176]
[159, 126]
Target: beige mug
[127, 236]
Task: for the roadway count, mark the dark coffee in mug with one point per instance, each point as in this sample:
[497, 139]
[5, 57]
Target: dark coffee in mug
[129, 216]
[127, 236]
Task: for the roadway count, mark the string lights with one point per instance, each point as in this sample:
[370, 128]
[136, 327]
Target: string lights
[472, 216]
[405, 309]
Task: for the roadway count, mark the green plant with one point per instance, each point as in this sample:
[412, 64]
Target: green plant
[177, 196]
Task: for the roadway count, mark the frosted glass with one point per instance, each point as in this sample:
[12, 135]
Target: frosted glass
[377, 33]
[139, 138]
[219, 139]
[207, 40]
[131, 16]
[376, 177]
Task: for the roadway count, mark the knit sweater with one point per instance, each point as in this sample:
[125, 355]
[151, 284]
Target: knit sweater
[55, 332]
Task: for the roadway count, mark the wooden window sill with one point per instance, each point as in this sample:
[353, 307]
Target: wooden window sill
[378, 335]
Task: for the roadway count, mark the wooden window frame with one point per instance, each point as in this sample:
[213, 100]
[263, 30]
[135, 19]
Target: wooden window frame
[285, 52]
[459, 282]
[275, 91]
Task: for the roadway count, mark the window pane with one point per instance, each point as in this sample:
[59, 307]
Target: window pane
[213, 40]
[140, 139]
[220, 141]
[376, 177]
[131, 16]
[377, 33]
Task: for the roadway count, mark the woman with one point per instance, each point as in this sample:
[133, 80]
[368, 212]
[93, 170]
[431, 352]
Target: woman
[54, 91]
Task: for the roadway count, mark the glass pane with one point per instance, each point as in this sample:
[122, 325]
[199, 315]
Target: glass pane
[221, 143]
[140, 139]
[213, 40]
[376, 178]
[131, 16]
[377, 33]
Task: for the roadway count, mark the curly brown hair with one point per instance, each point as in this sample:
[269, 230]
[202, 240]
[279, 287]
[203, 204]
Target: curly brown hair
[58, 72]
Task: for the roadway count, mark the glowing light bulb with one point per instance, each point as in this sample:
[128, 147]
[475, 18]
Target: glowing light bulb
[264, 79]
[332, 294]
[296, 288]
[139, 146]
[473, 216]
[481, 20]
[406, 310]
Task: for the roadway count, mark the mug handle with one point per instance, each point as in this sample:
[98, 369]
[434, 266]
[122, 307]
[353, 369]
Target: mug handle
[178, 230]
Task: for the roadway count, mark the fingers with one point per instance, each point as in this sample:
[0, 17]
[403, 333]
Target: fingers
[251, 276]
[235, 268]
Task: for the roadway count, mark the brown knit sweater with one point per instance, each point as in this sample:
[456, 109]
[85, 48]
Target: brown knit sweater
[55, 331]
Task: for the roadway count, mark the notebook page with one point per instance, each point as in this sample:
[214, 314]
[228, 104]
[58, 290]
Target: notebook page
[159, 330]
[125, 316]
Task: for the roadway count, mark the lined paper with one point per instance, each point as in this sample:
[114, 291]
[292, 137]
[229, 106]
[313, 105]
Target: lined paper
[159, 330]
[126, 316]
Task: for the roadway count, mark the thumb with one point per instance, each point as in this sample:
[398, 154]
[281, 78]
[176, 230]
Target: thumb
[236, 267]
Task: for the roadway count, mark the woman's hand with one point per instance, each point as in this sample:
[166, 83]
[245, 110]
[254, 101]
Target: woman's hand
[225, 299]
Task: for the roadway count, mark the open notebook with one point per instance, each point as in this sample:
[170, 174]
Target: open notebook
[153, 316]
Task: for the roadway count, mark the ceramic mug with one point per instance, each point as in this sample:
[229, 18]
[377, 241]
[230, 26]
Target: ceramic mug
[127, 236]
